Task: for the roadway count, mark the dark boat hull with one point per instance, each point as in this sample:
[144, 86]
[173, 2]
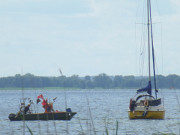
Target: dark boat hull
[43, 116]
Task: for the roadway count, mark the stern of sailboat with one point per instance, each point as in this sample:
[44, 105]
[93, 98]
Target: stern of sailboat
[146, 107]
[148, 115]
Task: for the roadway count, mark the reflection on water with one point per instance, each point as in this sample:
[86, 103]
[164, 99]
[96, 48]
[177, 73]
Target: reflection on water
[97, 110]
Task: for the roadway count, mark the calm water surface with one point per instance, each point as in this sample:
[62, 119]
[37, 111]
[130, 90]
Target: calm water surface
[96, 109]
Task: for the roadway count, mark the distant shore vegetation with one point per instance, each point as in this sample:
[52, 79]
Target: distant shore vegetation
[101, 81]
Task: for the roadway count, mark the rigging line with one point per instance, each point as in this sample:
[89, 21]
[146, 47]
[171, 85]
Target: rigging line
[161, 34]
[162, 51]
[140, 57]
[142, 52]
[144, 48]
[135, 31]
[148, 23]
[135, 41]
[141, 62]
[161, 39]
[157, 70]
[135, 37]
[160, 21]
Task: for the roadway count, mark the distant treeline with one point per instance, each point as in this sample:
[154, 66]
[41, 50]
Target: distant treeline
[88, 82]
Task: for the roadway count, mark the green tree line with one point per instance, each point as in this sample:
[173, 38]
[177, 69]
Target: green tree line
[88, 82]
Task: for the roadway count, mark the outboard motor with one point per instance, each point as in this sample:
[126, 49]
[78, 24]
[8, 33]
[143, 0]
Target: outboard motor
[68, 110]
[132, 104]
[12, 116]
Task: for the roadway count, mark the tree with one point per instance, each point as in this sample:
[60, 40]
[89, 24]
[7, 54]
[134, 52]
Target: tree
[118, 81]
[88, 82]
[102, 81]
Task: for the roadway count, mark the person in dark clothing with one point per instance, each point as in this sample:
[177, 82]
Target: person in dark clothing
[26, 109]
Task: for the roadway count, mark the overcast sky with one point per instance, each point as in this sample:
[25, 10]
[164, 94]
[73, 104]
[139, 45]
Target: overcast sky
[86, 37]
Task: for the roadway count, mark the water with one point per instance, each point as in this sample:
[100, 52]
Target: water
[97, 110]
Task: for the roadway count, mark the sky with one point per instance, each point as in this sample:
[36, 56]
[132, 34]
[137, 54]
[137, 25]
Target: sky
[86, 37]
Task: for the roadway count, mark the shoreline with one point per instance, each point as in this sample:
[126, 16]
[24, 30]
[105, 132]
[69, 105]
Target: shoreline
[74, 89]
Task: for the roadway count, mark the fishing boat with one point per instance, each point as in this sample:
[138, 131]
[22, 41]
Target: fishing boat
[49, 114]
[43, 116]
[144, 105]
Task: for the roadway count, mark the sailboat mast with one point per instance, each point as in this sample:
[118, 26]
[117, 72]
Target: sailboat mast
[153, 55]
[149, 48]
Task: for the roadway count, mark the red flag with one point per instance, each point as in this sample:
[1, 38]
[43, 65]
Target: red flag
[40, 96]
[44, 102]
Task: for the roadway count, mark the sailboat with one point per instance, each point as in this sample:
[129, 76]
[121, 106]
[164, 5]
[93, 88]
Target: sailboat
[144, 105]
